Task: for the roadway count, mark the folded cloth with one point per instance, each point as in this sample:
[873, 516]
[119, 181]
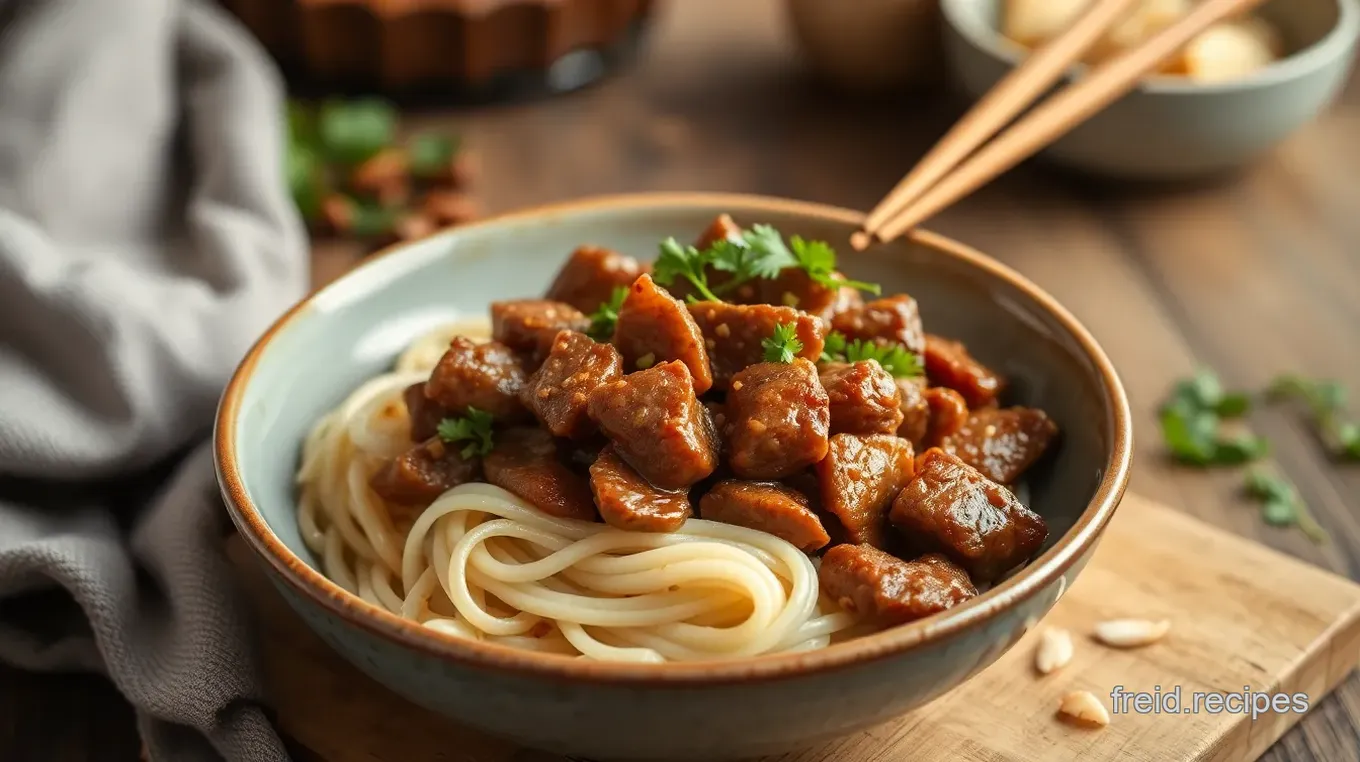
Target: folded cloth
[146, 239]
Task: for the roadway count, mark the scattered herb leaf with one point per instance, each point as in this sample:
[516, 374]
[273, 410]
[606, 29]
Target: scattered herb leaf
[1190, 421]
[305, 179]
[1326, 403]
[676, 261]
[760, 253]
[896, 359]
[602, 321]
[351, 131]
[833, 348]
[371, 220]
[473, 428]
[818, 260]
[429, 155]
[784, 345]
[1280, 503]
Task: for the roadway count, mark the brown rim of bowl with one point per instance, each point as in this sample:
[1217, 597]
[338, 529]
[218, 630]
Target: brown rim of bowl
[1041, 572]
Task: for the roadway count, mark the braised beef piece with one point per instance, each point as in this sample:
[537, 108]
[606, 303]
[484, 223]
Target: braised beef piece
[777, 420]
[529, 326]
[795, 288]
[859, 478]
[808, 485]
[949, 364]
[952, 507]
[722, 227]
[485, 376]
[628, 501]
[733, 334]
[558, 393]
[915, 410]
[657, 425]
[768, 507]
[864, 398]
[425, 413]
[1002, 444]
[655, 327]
[894, 320]
[525, 461]
[423, 473]
[590, 276]
[889, 591]
[948, 413]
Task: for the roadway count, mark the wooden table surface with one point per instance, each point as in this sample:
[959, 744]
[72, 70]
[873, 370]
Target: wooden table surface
[1255, 275]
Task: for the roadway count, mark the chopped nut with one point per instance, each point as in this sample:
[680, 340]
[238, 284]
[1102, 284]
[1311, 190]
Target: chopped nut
[1131, 633]
[1054, 651]
[1083, 708]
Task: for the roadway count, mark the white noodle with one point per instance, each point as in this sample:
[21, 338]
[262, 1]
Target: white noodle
[480, 563]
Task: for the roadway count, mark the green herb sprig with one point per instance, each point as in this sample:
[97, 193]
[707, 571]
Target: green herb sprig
[895, 358]
[818, 260]
[1281, 504]
[473, 428]
[784, 345]
[603, 320]
[1191, 418]
[1326, 403]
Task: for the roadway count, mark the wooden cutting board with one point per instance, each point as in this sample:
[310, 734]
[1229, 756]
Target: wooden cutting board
[1242, 615]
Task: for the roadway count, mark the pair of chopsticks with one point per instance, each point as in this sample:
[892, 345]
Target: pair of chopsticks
[960, 163]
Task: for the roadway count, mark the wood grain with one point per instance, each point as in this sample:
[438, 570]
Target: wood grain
[1251, 274]
[1242, 615]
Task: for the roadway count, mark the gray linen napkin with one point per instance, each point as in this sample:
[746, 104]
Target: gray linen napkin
[146, 238]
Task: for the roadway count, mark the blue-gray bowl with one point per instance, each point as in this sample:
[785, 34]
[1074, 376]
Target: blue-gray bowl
[351, 330]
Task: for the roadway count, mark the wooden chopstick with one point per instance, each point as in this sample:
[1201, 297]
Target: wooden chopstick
[1052, 119]
[997, 108]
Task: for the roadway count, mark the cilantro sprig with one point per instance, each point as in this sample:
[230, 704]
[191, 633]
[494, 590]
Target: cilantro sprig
[1281, 504]
[1326, 403]
[818, 260]
[473, 428]
[603, 320]
[759, 253]
[895, 358]
[784, 345]
[1191, 421]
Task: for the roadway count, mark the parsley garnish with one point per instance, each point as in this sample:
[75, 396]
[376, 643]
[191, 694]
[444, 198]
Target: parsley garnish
[676, 261]
[894, 358]
[818, 260]
[1281, 505]
[473, 428]
[1190, 424]
[784, 345]
[1326, 401]
[602, 321]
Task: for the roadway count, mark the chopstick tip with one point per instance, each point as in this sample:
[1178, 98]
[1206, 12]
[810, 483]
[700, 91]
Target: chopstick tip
[860, 240]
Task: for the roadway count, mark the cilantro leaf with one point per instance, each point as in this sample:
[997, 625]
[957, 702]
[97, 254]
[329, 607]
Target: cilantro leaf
[1190, 421]
[305, 179]
[1281, 504]
[352, 131]
[1326, 403]
[784, 345]
[895, 358]
[603, 320]
[430, 155]
[818, 260]
[473, 428]
[760, 253]
[687, 262]
[833, 348]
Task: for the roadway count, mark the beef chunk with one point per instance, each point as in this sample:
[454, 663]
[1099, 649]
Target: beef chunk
[654, 327]
[529, 326]
[559, 392]
[733, 334]
[423, 473]
[949, 364]
[864, 398]
[859, 478]
[525, 462]
[894, 320]
[948, 413]
[889, 591]
[590, 276]
[485, 376]
[628, 501]
[658, 426]
[722, 227]
[777, 420]
[952, 507]
[425, 413]
[915, 410]
[768, 507]
[1002, 444]
[795, 288]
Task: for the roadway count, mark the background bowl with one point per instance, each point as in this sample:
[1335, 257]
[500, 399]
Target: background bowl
[351, 330]
[1172, 128]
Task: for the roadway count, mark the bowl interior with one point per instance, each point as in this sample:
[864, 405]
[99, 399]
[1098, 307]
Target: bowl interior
[353, 329]
[1302, 24]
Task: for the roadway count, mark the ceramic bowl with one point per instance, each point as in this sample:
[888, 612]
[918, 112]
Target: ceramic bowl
[353, 329]
[1173, 128]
